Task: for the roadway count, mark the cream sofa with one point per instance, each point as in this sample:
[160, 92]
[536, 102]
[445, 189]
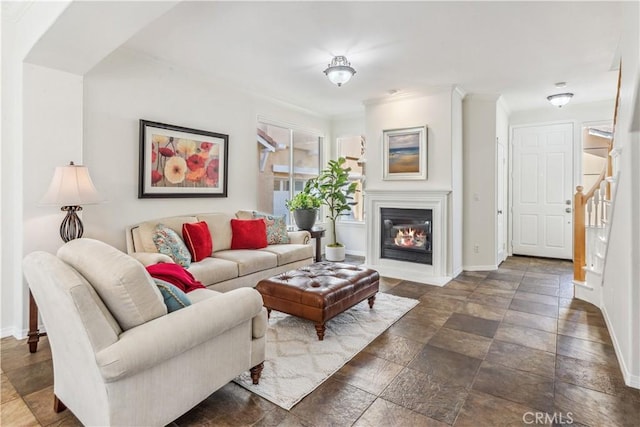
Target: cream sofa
[226, 268]
[118, 357]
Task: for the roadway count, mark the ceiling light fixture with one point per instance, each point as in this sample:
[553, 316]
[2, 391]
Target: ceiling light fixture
[560, 99]
[339, 71]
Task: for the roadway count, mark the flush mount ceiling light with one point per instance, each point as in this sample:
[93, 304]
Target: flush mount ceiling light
[339, 71]
[560, 99]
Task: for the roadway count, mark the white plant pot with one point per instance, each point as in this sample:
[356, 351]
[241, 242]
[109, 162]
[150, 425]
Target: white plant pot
[334, 253]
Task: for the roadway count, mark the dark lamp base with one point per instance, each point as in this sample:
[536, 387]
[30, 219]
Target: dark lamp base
[71, 227]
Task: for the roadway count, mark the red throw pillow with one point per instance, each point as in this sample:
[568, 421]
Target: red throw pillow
[197, 237]
[248, 233]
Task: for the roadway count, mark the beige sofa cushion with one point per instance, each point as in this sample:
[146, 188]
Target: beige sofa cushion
[249, 260]
[146, 230]
[122, 282]
[289, 253]
[199, 294]
[213, 270]
[220, 227]
[244, 214]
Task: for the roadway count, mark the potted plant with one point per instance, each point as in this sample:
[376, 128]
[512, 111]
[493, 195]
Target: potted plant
[304, 206]
[335, 190]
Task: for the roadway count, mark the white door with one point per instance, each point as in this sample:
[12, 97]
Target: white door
[501, 207]
[543, 190]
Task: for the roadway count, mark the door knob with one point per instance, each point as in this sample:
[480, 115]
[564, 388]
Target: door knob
[500, 212]
[568, 210]
[567, 202]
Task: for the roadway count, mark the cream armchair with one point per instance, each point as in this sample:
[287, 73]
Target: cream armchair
[118, 357]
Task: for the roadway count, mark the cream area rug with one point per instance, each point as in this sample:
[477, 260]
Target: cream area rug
[296, 362]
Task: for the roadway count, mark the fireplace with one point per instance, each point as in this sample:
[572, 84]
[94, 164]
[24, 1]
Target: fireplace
[405, 234]
[433, 250]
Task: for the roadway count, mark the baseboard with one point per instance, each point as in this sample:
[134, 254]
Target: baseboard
[629, 379]
[355, 253]
[7, 332]
[457, 272]
[479, 267]
[18, 334]
[634, 381]
[398, 273]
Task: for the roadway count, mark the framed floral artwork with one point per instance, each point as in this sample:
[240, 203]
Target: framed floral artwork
[181, 162]
[405, 153]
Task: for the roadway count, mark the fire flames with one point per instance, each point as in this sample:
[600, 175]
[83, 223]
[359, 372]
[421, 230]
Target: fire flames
[410, 237]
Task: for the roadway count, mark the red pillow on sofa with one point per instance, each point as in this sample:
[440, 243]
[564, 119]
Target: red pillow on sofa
[248, 233]
[197, 237]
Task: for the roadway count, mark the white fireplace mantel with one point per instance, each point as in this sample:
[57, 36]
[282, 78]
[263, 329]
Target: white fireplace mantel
[437, 201]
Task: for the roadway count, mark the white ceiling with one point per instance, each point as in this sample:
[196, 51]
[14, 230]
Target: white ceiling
[279, 49]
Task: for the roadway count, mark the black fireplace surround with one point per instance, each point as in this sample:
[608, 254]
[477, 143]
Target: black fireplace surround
[405, 234]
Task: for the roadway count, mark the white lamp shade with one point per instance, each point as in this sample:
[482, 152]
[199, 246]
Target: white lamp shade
[71, 186]
[339, 75]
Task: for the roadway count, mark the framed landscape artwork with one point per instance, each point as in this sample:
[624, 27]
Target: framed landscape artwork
[181, 162]
[405, 153]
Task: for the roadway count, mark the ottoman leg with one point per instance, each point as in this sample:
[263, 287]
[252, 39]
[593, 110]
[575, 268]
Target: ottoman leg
[371, 301]
[320, 331]
[268, 313]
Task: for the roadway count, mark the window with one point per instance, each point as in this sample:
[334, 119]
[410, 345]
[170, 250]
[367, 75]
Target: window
[288, 158]
[352, 149]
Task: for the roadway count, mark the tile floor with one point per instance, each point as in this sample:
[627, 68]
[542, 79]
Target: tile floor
[490, 348]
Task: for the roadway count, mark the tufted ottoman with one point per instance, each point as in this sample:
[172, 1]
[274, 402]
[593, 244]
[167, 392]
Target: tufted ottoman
[320, 291]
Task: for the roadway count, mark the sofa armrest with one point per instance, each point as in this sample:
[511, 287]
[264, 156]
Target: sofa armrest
[300, 237]
[150, 258]
[259, 324]
[168, 336]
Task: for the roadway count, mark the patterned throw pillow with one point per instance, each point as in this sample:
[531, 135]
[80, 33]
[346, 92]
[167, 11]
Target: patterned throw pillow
[276, 228]
[169, 243]
[174, 298]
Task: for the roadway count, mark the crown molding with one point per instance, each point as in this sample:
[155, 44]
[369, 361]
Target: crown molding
[403, 96]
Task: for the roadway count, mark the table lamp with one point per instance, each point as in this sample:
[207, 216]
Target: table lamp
[71, 187]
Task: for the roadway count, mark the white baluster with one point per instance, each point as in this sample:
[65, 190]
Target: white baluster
[603, 192]
[589, 210]
[596, 202]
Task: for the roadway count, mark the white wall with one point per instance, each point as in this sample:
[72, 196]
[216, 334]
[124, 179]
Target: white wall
[457, 184]
[621, 296]
[127, 87]
[52, 137]
[436, 111]
[22, 25]
[479, 112]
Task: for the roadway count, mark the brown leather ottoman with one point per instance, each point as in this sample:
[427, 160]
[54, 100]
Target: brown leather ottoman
[320, 291]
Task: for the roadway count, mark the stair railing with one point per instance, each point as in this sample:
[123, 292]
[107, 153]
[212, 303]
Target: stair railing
[594, 205]
[588, 209]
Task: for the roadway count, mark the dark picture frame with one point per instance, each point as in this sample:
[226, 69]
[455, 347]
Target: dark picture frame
[177, 161]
